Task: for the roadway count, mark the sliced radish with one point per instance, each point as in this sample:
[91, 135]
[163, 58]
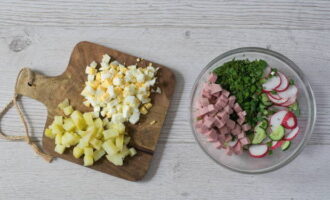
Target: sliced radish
[290, 101]
[233, 142]
[275, 96]
[289, 120]
[289, 93]
[258, 150]
[277, 118]
[284, 83]
[277, 101]
[267, 71]
[292, 134]
[271, 83]
[277, 108]
[276, 144]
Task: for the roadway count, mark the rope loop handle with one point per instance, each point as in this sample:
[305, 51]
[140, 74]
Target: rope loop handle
[27, 137]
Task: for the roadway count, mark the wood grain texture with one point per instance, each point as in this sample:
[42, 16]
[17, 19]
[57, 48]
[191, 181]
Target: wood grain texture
[40, 35]
[53, 90]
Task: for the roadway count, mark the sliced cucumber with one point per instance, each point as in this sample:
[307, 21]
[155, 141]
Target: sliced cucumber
[265, 100]
[261, 125]
[259, 136]
[277, 133]
[285, 145]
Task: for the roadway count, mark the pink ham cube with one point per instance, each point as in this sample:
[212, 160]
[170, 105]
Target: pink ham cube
[215, 88]
[230, 124]
[246, 127]
[212, 78]
[244, 141]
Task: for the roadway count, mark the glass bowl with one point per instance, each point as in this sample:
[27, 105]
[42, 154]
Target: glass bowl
[244, 163]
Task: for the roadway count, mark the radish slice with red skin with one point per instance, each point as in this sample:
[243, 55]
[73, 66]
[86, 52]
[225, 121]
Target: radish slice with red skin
[289, 120]
[276, 144]
[267, 72]
[258, 150]
[275, 96]
[277, 101]
[290, 136]
[290, 101]
[233, 143]
[277, 118]
[271, 83]
[277, 108]
[284, 83]
[289, 93]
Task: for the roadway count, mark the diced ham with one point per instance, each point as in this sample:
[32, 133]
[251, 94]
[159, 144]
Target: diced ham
[224, 130]
[199, 124]
[240, 121]
[202, 112]
[219, 123]
[217, 94]
[241, 135]
[228, 138]
[242, 115]
[223, 115]
[238, 148]
[212, 136]
[212, 78]
[228, 109]
[221, 138]
[209, 121]
[230, 124]
[210, 108]
[231, 101]
[237, 130]
[217, 144]
[246, 127]
[204, 101]
[229, 151]
[244, 141]
[237, 108]
[215, 88]
[226, 93]
[224, 99]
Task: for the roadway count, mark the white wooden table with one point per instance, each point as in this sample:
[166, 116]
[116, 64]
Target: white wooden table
[184, 35]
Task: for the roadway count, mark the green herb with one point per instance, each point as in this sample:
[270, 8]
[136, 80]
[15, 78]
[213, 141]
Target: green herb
[291, 82]
[295, 109]
[243, 78]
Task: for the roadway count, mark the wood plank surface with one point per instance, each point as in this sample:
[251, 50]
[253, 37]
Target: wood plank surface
[184, 35]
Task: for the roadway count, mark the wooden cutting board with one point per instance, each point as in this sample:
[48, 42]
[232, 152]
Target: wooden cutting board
[53, 90]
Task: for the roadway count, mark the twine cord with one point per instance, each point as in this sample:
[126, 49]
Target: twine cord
[27, 137]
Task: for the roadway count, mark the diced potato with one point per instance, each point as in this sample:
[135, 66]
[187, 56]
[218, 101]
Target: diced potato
[88, 117]
[57, 129]
[78, 120]
[70, 139]
[116, 159]
[58, 139]
[81, 133]
[84, 141]
[120, 142]
[98, 123]
[96, 144]
[59, 148]
[92, 130]
[105, 122]
[120, 127]
[58, 120]
[99, 133]
[125, 152]
[110, 133]
[148, 105]
[110, 147]
[68, 110]
[132, 152]
[143, 110]
[68, 124]
[88, 160]
[49, 133]
[127, 139]
[88, 151]
[77, 152]
[98, 154]
[63, 104]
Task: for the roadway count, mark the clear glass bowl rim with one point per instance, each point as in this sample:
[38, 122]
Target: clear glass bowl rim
[310, 96]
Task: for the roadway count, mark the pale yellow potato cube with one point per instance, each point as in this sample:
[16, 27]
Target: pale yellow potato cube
[88, 151]
[78, 120]
[88, 117]
[59, 148]
[125, 152]
[120, 142]
[58, 120]
[132, 152]
[110, 133]
[57, 129]
[77, 152]
[143, 110]
[115, 159]
[58, 139]
[70, 139]
[92, 130]
[98, 123]
[110, 147]
[84, 141]
[68, 110]
[96, 144]
[127, 139]
[64, 104]
[49, 133]
[120, 127]
[148, 105]
[81, 133]
[98, 154]
[68, 124]
[88, 160]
